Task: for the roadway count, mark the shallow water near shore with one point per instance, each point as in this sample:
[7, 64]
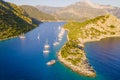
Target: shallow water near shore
[23, 59]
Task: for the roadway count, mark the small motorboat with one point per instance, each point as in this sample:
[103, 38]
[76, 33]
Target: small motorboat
[51, 62]
[46, 51]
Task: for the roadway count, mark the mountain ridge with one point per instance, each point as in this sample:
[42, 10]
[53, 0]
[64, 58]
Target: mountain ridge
[37, 14]
[80, 10]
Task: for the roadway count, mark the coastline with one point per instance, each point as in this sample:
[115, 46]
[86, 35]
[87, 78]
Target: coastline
[75, 68]
[8, 38]
[89, 71]
[100, 38]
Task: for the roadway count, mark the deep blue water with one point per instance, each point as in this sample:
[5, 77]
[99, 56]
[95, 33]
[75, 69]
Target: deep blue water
[104, 55]
[23, 59]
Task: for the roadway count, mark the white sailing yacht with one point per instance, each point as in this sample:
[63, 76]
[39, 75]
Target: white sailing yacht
[46, 51]
[46, 48]
[22, 36]
[56, 42]
[59, 27]
[38, 36]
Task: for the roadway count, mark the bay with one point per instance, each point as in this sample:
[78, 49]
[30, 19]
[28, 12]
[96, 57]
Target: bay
[23, 59]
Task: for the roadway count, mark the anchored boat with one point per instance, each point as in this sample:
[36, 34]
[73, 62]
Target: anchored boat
[51, 62]
[38, 36]
[22, 36]
[46, 51]
[46, 46]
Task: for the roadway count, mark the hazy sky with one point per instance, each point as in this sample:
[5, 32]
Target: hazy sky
[61, 2]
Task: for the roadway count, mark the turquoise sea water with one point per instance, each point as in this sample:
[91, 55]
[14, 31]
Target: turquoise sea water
[23, 59]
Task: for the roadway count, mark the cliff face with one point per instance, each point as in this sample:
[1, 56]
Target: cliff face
[13, 20]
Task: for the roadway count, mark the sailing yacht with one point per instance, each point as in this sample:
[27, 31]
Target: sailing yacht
[59, 27]
[56, 43]
[46, 51]
[22, 36]
[46, 46]
[59, 39]
[61, 33]
[38, 36]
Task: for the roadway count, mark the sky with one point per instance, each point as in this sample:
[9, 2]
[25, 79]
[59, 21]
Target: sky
[61, 3]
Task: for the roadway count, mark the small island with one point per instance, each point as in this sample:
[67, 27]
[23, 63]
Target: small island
[72, 54]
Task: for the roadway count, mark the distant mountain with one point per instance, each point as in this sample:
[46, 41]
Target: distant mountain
[13, 20]
[48, 9]
[115, 11]
[80, 10]
[37, 14]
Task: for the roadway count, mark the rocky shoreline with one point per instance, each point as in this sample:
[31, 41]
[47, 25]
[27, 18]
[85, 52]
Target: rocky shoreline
[85, 69]
[100, 38]
[89, 72]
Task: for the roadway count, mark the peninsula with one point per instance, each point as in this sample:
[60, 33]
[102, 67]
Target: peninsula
[72, 54]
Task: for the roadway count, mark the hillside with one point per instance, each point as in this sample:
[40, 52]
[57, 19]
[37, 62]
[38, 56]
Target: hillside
[94, 28]
[13, 21]
[35, 13]
[73, 54]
